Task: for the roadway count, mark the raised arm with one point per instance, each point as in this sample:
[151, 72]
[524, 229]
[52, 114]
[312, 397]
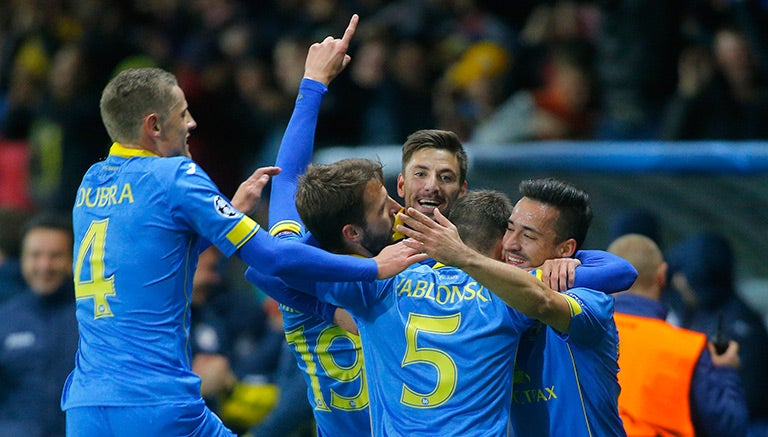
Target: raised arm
[325, 60]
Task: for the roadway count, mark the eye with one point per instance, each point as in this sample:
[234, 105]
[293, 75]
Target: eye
[447, 178]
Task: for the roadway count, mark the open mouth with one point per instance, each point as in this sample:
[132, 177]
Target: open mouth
[429, 203]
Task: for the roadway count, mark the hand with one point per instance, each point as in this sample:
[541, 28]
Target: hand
[559, 273]
[249, 192]
[215, 374]
[395, 258]
[344, 320]
[327, 59]
[436, 237]
[729, 358]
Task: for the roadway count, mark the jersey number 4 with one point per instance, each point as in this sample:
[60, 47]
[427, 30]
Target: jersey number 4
[91, 283]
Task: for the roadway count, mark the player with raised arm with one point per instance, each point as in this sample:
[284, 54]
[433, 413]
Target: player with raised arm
[140, 218]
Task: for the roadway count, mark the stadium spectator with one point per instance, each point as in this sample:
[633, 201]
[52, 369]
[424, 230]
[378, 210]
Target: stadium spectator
[38, 336]
[672, 380]
[11, 226]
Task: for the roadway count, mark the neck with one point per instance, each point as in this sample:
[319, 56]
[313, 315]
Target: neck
[648, 292]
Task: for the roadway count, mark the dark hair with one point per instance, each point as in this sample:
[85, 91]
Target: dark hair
[436, 139]
[572, 203]
[49, 220]
[481, 216]
[330, 196]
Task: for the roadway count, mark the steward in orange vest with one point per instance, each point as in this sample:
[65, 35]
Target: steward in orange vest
[656, 362]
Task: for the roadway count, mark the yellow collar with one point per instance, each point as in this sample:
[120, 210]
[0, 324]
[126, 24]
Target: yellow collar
[438, 265]
[120, 150]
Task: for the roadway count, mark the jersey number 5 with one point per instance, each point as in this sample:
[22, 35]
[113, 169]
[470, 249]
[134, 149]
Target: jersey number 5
[92, 284]
[441, 361]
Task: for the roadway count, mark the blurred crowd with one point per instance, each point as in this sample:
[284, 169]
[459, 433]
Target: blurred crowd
[495, 72]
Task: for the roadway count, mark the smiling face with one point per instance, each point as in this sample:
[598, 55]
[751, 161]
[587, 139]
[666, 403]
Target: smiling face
[46, 259]
[531, 236]
[430, 180]
[174, 129]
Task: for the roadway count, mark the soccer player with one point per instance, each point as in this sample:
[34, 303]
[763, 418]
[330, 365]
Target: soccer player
[329, 357]
[439, 348]
[565, 376]
[141, 217]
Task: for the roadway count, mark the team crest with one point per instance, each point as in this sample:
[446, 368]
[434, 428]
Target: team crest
[223, 207]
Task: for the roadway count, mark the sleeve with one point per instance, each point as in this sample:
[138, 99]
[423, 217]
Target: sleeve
[286, 259]
[352, 296]
[718, 405]
[294, 156]
[591, 315]
[279, 291]
[603, 271]
[196, 205]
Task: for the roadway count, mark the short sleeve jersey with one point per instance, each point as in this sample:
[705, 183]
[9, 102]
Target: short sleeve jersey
[138, 220]
[437, 345]
[567, 384]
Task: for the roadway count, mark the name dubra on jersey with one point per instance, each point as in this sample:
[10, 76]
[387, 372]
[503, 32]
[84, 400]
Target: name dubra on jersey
[104, 196]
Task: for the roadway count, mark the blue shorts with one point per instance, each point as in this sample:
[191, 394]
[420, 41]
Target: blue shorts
[160, 420]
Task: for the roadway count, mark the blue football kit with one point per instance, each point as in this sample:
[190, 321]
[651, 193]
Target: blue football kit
[140, 222]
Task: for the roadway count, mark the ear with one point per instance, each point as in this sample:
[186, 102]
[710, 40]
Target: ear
[151, 125]
[661, 275]
[400, 184]
[567, 248]
[352, 233]
[463, 189]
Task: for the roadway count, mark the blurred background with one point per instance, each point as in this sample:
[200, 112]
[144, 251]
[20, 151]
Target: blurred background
[652, 105]
[657, 108]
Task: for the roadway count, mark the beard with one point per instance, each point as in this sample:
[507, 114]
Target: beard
[374, 242]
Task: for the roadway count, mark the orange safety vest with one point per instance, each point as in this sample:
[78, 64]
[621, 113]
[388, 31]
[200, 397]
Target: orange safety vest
[656, 362]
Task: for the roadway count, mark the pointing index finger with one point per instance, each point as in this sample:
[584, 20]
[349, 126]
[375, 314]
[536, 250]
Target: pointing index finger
[347, 38]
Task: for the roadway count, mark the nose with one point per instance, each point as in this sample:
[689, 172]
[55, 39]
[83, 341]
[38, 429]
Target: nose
[191, 123]
[432, 184]
[510, 241]
[393, 206]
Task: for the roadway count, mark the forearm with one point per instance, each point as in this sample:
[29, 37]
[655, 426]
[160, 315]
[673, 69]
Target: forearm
[295, 152]
[603, 271]
[519, 289]
[289, 259]
[289, 297]
[717, 399]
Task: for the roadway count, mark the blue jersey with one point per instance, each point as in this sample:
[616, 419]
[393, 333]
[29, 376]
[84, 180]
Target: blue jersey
[439, 351]
[567, 384]
[140, 222]
[136, 221]
[329, 357]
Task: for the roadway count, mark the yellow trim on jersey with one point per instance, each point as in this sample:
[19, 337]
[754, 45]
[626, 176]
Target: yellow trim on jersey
[573, 304]
[538, 274]
[120, 150]
[291, 226]
[437, 265]
[243, 231]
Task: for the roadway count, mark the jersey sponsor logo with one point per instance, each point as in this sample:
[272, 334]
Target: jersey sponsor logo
[442, 294]
[223, 207]
[532, 396]
[100, 197]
